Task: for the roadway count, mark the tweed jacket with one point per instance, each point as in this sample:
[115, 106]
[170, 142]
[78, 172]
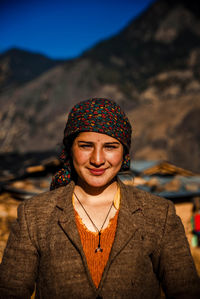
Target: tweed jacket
[150, 249]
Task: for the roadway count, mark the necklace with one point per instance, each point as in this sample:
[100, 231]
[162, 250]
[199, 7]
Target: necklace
[98, 249]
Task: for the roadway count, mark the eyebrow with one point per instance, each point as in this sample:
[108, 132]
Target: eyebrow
[107, 143]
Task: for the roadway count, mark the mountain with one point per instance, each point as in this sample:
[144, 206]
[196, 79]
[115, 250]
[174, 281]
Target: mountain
[161, 39]
[19, 66]
[151, 68]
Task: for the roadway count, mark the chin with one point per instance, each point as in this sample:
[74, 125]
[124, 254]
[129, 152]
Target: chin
[99, 182]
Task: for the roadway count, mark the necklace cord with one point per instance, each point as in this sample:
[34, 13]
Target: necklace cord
[91, 218]
[98, 249]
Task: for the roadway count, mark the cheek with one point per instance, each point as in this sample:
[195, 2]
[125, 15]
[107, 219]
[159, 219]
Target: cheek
[79, 157]
[116, 159]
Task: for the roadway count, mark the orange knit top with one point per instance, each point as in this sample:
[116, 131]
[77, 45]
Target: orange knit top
[97, 261]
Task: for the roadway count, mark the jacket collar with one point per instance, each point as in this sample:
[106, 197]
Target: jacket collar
[130, 197]
[130, 219]
[66, 218]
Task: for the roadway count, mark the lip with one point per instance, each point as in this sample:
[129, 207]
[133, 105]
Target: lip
[97, 171]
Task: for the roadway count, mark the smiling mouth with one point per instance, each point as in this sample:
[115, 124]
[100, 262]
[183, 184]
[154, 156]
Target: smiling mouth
[97, 171]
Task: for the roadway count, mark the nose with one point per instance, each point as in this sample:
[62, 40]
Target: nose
[97, 157]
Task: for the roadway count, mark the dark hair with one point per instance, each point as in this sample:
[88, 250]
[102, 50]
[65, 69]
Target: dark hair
[68, 141]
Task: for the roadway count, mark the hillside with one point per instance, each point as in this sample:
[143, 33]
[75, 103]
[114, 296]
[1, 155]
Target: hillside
[152, 68]
[19, 66]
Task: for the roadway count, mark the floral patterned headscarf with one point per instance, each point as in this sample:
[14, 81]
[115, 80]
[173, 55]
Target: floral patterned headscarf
[94, 115]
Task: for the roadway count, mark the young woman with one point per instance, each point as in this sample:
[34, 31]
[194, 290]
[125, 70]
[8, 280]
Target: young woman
[91, 236]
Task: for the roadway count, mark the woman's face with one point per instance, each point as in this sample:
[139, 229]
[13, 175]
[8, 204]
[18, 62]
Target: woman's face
[97, 158]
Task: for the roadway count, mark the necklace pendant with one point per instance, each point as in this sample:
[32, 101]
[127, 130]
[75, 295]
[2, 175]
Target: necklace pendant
[98, 249]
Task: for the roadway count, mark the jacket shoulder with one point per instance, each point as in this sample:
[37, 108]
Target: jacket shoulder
[46, 202]
[145, 198]
[154, 207]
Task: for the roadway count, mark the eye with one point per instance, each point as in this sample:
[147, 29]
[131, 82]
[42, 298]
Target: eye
[110, 147]
[85, 145]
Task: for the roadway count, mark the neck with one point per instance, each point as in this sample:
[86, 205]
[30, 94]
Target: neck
[89, 191]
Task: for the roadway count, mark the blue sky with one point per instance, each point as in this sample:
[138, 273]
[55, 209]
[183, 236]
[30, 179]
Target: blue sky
[63, 29]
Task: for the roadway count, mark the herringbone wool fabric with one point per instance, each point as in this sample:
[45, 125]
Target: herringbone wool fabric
[150, 248]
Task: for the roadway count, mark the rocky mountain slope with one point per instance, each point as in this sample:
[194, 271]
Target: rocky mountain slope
[19, 66]
[152, 68]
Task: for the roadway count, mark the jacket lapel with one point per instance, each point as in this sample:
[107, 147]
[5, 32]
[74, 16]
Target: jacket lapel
[67, 222]
[130, 219]
[66, 218]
